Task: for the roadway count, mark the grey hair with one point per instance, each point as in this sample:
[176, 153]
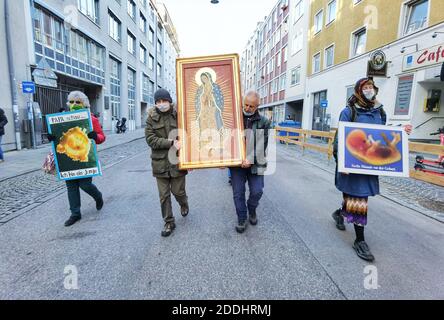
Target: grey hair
[78, 95]
[253, 93]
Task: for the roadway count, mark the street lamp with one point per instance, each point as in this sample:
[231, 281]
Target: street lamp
[435, 34]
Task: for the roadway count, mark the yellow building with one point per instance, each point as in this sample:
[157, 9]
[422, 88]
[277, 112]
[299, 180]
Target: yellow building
[355, 27]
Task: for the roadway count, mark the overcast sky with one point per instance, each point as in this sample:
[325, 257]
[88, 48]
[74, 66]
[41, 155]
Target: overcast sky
[205, 28]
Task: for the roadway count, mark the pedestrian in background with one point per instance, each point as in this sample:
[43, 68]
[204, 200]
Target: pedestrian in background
[3, 122]
[77, 101]
[363, 107]
[162, 119]
[252, 169]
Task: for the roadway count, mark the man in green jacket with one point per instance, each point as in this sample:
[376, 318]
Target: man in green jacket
[161, 126]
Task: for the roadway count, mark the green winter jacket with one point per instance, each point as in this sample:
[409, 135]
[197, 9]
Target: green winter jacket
[157, 133]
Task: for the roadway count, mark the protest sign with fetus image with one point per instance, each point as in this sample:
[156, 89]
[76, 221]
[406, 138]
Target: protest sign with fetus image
[372, 150]
[75, 153]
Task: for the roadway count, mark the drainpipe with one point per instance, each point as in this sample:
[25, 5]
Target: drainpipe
[12, 80]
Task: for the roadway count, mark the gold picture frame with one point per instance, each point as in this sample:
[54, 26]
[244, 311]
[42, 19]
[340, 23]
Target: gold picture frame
[209, 108]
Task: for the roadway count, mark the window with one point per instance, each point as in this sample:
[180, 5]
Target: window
[142, 54]
[275, 86]
[58, 32]
[131, 43]
[416, 17]
[131, 94]
[297, 43]
[298, 10]
[318, 21]
[145, 88]
[142, 23]
[317, 63]
[359, 42]
[279, 59]
[296, 76]
[151, 63]
[151, 36]
[115, 27]
[115, 80]
[331, 13]
[159, 70]
[284, 52]
[47, 29]
[159, 48]
[37, 21]
[131, 6]
[89, 8]
[282, 82]
[329, 56]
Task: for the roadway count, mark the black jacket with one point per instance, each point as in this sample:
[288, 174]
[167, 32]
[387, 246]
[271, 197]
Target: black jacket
[3, 122]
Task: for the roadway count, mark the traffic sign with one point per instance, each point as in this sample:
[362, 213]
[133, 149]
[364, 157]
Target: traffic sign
[28, 87]
[324, 103]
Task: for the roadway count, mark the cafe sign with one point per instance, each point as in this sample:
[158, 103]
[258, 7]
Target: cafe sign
[424, 58]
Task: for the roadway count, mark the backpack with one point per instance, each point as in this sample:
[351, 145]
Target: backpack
[354, 115]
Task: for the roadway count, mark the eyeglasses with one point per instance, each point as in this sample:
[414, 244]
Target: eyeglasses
[76, 102]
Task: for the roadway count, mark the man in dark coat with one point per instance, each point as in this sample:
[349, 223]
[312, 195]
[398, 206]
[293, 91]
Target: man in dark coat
[161, 122]
[3, 122]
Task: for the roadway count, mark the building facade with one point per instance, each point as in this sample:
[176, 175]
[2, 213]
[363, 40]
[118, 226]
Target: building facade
[343, 35]
[116, 51]
[274, 61]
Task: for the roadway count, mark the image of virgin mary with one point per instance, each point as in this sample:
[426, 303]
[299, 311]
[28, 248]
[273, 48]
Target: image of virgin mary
[209, 104]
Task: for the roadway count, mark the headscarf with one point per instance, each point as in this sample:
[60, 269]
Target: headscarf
[358, 97]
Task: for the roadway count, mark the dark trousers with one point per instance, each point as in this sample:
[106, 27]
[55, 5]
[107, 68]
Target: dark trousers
[239, 177]
[74, 187]
[176, 186]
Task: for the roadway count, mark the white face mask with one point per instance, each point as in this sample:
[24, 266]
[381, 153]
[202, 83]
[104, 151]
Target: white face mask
[369, 94]
[163, 107]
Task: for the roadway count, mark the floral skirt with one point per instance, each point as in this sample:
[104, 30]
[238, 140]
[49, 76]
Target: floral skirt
[354, 209]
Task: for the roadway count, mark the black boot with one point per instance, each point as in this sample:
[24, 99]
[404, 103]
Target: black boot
[252, 216]
[363, 251]
[241, 226]
[184, 210]
[72, 220]
[99, 204]
[168, 229]
[339, 219]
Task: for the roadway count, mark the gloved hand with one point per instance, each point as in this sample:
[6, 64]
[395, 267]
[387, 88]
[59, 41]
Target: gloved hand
[92, 135]
[51, 137]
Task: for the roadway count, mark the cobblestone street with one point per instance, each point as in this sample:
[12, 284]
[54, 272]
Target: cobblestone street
[29, 190]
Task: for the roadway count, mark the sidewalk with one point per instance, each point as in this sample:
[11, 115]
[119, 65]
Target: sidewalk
[28, 160]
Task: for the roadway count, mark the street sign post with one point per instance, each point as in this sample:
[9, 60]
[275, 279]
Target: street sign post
[28, 87]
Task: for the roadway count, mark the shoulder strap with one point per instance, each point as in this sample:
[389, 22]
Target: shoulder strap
[383, 115]
[353, 113]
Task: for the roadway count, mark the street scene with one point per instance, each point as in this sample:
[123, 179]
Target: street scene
[151, 151]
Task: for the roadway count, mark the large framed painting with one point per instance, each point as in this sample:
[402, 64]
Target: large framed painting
[75, 154]
[373, 150]
[209, 107]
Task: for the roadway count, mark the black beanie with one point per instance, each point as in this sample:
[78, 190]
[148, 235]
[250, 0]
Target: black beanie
[162, 94]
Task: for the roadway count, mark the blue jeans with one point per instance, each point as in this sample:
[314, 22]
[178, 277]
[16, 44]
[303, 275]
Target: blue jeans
[239, 177]
[1, 151]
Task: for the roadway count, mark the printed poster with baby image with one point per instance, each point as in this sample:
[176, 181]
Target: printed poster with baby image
[75, 154]
[373, 150]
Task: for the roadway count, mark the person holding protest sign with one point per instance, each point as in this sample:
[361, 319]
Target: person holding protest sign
[363, 107]
[76, 101]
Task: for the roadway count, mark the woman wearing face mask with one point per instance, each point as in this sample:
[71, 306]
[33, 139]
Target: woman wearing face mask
[161, 122]
[77, 101]
[356, 188]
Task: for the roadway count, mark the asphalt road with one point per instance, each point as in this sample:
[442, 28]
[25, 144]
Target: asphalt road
[295, 252]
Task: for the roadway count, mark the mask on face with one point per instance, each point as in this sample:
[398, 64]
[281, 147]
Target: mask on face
[248, 114]
[75, 107]
[163, 107]
[369, 94]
